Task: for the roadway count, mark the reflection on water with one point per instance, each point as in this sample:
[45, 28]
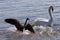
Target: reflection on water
[44, 34]
[21, 9]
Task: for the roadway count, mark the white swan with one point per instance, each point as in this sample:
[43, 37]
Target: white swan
[43, 21]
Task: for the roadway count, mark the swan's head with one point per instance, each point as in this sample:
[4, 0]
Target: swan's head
[11, 21]
[51, 8]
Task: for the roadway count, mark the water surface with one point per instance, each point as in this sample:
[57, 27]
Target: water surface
[21, 9]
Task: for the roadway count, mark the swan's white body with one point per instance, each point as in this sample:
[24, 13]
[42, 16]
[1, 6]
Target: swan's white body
[43, 21]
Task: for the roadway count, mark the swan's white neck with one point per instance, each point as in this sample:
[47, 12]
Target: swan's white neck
[50, 11]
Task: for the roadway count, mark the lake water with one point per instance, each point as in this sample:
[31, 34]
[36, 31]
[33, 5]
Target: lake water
[21, 9]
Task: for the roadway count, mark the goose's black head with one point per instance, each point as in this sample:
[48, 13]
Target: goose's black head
[11, 21]
[27, 19]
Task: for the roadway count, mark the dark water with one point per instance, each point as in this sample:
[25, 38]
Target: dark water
[21, 9]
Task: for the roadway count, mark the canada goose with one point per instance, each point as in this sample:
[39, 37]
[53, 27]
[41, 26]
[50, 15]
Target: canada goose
[19, 26]
[43, 21]
[28, 26]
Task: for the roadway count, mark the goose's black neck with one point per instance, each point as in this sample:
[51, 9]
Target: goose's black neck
[26, 21]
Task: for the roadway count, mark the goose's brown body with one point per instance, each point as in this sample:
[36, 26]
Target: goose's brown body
[18, 25]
